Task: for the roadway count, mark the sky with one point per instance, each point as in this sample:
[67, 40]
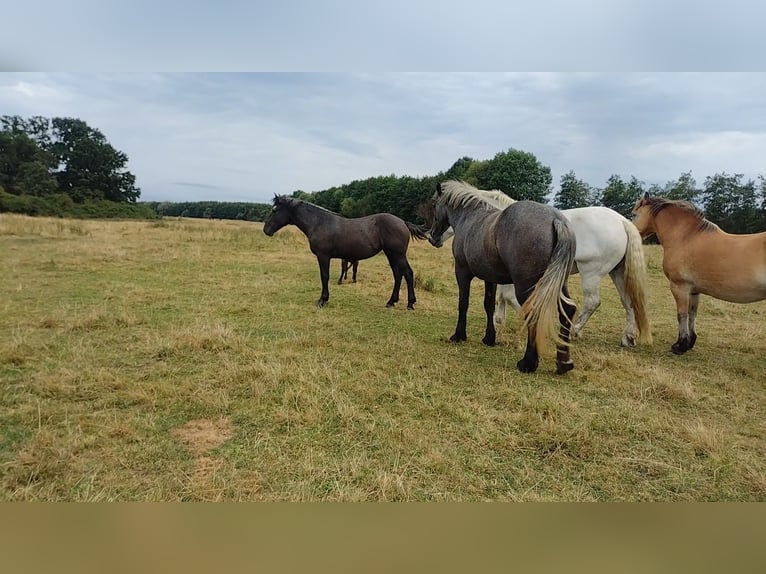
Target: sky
[247, 136]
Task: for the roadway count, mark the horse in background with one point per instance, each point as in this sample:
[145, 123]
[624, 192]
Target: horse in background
[607, 243]
[528, 244]
[332, 236]
[345, 265]
[700, 258]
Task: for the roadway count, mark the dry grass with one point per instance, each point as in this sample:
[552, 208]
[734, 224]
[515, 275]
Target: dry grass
[184, 360]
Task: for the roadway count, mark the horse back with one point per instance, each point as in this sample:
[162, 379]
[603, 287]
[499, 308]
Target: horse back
[526, 238]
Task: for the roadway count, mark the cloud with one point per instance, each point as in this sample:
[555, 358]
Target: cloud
[244, 137]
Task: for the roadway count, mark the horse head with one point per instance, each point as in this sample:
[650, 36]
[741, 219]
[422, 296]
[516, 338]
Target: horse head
[281, 214]
[439, 218]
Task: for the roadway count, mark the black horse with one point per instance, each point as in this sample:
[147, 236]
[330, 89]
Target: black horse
[334, 237]
[345, 265]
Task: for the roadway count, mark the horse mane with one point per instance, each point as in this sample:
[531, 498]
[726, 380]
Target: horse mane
[295, 202]
[457, 194]
[657, 204]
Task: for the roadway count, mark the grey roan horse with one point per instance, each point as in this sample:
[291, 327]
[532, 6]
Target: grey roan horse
[528, 244]
[334, 237]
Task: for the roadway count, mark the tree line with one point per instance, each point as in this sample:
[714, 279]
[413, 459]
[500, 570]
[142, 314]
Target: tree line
[62, 166]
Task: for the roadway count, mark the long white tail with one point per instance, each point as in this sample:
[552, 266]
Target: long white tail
[636, 283]
[541, 310]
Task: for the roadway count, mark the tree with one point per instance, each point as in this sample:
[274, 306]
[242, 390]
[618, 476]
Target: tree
[572, 192]
[685, 188]
[91, 167]
[731, 204]
[458, 169]
[519, 174]
[25, 168]
[620, 196]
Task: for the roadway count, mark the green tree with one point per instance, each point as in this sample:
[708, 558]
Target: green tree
[459, 168]
[685, 187]
[730, 203]
[519, 174]
[91, 167]
[572, 192]
[25, 168]
[622, 196]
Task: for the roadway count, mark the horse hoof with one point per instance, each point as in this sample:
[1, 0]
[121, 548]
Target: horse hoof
[410, 307]
[457, 338]
[321, 303]
[628, 342]
[677, 349]
[390, 305]
[489, 342]
[565, 367]
[525, 367]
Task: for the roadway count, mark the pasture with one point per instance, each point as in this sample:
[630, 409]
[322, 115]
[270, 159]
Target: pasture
[185, 360]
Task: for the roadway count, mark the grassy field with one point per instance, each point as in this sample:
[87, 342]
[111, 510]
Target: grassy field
[185, 360]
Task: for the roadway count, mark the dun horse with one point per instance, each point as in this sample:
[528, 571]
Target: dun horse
[334, 237]
[606, 243]
[699, 258]
[528, 244]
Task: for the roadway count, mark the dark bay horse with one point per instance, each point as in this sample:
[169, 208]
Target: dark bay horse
[699, 257]
[345, 265]
[528, 244]
[332, 236]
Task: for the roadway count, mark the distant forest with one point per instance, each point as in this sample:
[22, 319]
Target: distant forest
[63, 167]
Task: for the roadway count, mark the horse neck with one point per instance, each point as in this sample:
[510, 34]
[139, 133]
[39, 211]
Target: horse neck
[461, 216]
[672, 227]
[307, 217]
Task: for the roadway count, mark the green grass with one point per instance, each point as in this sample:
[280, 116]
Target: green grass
[185, 360]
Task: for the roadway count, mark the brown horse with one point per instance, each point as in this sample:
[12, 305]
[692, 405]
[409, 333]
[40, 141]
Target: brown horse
[698, 257]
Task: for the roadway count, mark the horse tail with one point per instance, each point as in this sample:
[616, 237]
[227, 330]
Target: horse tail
[541, 310]
[636, 282]
[417, 231]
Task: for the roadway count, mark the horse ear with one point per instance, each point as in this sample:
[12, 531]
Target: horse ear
[646, 195]
[438, 188]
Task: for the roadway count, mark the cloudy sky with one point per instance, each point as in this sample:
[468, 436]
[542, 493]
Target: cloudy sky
[244, 137]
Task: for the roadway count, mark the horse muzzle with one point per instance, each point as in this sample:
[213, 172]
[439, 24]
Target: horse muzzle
[434, 241]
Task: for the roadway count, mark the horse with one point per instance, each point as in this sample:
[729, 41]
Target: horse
[607, 242]
[345, 265]
[700, 258]
[528, 244]
[332, 236]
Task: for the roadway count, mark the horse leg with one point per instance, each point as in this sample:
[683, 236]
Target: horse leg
[630, 336]
[343, 271]
[591, 289]
[409, 277]
[694, 300]
[563, 361]
[356, 266]
[681, 295]
[324, 275]
[464, 278]
[396, 269]
[505, 294]
[490, 290]
[530, 360]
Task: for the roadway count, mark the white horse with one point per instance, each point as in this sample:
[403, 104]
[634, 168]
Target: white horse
[607, 242]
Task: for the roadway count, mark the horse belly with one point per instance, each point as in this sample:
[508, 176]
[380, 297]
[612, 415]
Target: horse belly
[735, 287]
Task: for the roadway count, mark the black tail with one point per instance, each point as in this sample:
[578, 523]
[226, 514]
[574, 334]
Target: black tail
[417, 231]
